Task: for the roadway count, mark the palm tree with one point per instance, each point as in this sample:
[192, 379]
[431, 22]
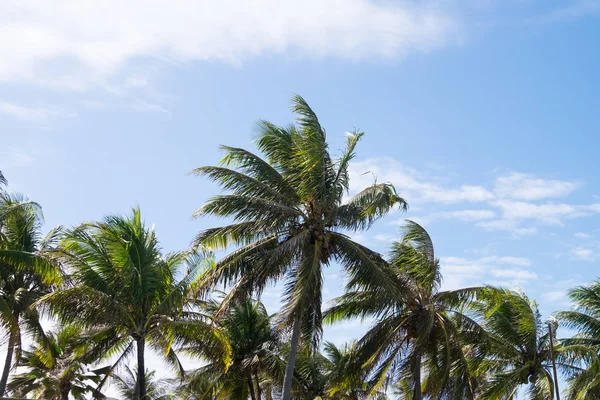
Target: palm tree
[289, 215]
[54, 370]
[254, 344]
[3, 180]
[417, 327]
[519, 353]
[581, 351]
[27, 272]
[126, 384]
[310, 374]
[124, 289]
[342, 383]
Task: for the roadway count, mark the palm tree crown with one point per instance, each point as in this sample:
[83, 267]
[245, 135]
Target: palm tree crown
[54, 370]
[581, 351]
[289, 214]
[27, 272]
[128, 293]
[519, 352]
[417, 327]
[254, 343]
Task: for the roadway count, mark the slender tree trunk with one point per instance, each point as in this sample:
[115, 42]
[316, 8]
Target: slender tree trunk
[140, 387]
[550, 335]
[250, 386]
[10, 351]
[7, 364]
[258, 393]
[65, 388]
[289, 369]
[417, 395]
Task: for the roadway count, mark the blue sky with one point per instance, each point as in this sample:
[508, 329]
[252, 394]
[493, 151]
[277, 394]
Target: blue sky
[484, 114]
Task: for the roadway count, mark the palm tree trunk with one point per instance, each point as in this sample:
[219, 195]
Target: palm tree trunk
[289, 369]
[417, 395]
[7, 364]
[250, 387]
[258, 393]
[65, 389]
[140, 387]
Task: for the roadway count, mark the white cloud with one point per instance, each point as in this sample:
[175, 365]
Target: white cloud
[461, 272]
[548, 213]
[78, 44]
[577, 9]
[581, 235]
[15, 158]
[582, 253]
[28, 113]
[529, 187]
[412, 184]
[382, 237]
[519, 232]
[559, 296]
[517, 274]
[513, 205]
[506, 260]
[461, 215]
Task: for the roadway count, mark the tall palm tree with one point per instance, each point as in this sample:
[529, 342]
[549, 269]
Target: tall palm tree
[289, 217]
[583, 348]
[519, 352]
[254, 344]
[27, 272]
[417, 327]
[125, 289]
[53, 370]
[3, 180]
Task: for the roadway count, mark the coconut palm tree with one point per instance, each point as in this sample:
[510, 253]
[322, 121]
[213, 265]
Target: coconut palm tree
[342, 383]
[289, 217]
[3, 180]
[519, 352]
[53, 370]
[27, 272]
[583, 348]
[126, 384]
[129, 293]
[310, 374]
[254, 343]
[418, 328]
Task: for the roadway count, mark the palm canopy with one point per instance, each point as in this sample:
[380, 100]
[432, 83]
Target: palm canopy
[417, 327]
[126, 381]
[27, 272]
[583, 348]
[53, 370]
[341, 382]
[519, 352]
[288, 211]
[127, 293]
[288, 214]
[254, 344]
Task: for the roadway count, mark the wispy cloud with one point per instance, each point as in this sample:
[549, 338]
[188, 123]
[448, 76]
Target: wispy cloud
[582, 253]
[29, 113]
[513, 202]
[529, 187]
[413, 184]
[577, 9]
[582, 235]
[81, 44]
[508, 270]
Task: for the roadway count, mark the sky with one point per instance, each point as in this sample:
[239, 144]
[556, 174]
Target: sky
[482, 113]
